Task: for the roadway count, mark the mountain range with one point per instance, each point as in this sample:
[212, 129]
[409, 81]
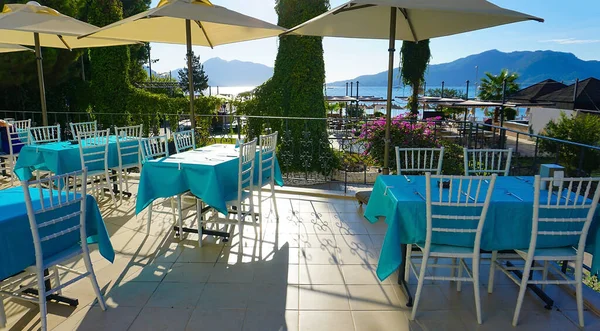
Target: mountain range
[232, 73]
[532, 68]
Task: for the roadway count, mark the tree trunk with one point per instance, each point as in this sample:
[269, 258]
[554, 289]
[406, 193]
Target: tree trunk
[414, 100]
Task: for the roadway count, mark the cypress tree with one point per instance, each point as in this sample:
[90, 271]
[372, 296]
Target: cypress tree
[110, 85]
[296, 90]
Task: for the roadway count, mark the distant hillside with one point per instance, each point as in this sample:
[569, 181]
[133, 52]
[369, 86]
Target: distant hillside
[233, 73]
[532, 67]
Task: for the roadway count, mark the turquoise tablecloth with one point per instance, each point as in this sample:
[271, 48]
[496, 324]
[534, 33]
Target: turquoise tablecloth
[63, 157]
[209, 173]
[507, 226]
[16, 243]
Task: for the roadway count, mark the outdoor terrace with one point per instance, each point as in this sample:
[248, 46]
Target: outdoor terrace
[314, 270]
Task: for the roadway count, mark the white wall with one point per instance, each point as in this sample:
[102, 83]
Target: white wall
[539, 117]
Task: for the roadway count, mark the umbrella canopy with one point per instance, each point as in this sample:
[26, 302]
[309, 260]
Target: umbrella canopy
[18, 23]
[36, 25]
[416, 20]
[408, 20]
[6, 48]
[190, 22]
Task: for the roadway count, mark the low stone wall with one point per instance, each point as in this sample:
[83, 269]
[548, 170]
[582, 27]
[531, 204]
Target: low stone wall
[356, 177]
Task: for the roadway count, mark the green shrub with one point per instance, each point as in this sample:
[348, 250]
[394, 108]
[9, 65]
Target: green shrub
[583, 129]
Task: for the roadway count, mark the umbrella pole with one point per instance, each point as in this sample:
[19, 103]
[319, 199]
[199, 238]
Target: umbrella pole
[188, 37]
[38, 57]
[388, 121]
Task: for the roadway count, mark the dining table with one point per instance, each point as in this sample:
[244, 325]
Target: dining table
[400, 200]
[64, 157]
[210, 173]
[17, 250]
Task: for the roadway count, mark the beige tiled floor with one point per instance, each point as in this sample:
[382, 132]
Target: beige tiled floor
[314, 270]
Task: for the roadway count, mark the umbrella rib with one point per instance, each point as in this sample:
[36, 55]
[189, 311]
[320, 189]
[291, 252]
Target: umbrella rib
[350, 7]
[410, 26]
[205, 35]
[64, 42]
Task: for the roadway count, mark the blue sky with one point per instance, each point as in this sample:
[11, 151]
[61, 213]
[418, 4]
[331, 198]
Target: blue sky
[571, 26]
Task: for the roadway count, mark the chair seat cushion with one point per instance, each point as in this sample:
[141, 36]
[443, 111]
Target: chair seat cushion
[448, 250]
[62, 256]
[556, 253]
[245, 195]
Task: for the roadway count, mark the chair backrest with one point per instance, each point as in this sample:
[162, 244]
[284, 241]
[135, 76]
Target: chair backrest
[246, 167]
[464, 202]
[128, 143]
[46, 222]
[419, 160]
[483, 162]
[44, 134]
[93, 149]
[83, 127]
[266, 156]
[154, 148]
[18, 135]
[184, 140]
[564, 207]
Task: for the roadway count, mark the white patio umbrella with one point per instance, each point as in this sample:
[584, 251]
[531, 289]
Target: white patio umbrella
[409, 20]
[7, 48]
[35, 25]
[204, 24]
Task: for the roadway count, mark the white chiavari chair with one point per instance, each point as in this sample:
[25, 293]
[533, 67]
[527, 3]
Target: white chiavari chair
[487, 161]
[18, 136]
[93, 151]
[266, 170]
[128, 150]
[243, 206]
[155, 148]
[44, 134]
[83, 127]
[47, 226]
[419, 160]
[446, 214]
[184, 140]
[561, 208]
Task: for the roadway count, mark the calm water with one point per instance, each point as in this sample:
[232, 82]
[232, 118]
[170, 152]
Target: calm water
[375, 91]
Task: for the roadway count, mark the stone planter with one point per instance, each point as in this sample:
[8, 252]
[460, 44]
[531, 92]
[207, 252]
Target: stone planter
[356, 176]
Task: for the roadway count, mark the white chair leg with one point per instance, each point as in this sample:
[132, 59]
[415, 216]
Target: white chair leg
[419, 286]
[545, 274]
[453, 270]
[579, 291]
[492, 271]
[94, 281]
[110, 188]
[120, 174]
[522, 290]
[2, 313]
[460, 272]
[180, 215]
[42, 300]
[149, 222]
[260, 203]
[240, 222]
[199, 216]
[408, 257]
[56, 279]
[476, 289]
[274, 199]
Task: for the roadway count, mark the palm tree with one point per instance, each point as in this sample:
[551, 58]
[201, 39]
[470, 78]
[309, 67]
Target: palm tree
[491, 85]
[414, 59]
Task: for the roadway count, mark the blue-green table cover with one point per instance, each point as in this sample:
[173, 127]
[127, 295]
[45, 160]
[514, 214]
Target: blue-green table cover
[213, 182]
[507, 225]
[64, 157]
[17, 251]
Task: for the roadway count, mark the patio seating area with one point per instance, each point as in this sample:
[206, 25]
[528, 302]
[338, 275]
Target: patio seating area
[313, 270]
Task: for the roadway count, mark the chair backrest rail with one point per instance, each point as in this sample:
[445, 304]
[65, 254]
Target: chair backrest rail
[60, 219]
[61, 233]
